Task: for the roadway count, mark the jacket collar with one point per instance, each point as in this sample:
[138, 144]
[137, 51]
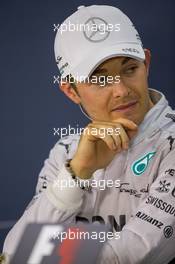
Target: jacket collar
[155, 118]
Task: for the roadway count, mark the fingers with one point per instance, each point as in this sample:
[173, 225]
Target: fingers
[116, 134]
[111, 143]
[128, 129]
[98, 132]
[118, 143]
[115, 137]
[124, 139]
[126, 123]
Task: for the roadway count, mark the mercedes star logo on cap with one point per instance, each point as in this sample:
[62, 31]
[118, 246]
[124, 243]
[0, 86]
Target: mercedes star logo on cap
[94, 32]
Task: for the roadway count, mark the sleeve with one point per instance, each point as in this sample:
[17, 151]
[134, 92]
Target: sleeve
[53, 202]
[149, 236]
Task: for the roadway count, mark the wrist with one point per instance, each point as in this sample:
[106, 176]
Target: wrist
[80, 171]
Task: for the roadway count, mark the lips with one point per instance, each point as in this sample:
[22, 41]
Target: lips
[125, 106]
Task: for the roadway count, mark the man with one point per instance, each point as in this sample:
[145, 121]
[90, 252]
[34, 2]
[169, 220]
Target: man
[136, 149]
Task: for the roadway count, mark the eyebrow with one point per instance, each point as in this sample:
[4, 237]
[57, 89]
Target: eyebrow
[126, 60]
[104, 70]
[97, 71]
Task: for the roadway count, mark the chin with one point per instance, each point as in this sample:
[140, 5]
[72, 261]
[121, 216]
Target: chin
[138, 120]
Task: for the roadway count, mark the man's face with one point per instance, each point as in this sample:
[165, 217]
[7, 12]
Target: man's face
[127, 99]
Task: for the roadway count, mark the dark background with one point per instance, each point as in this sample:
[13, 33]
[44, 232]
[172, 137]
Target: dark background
[31, 105]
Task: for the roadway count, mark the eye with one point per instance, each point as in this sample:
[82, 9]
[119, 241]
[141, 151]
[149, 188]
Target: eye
[130, 70]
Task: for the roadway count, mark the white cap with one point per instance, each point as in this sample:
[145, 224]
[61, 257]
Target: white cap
[92, 35]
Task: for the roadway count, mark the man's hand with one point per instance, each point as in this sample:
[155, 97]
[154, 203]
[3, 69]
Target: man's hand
[96, 151]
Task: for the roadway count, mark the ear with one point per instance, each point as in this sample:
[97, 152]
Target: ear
[147, 59]
[67, 89]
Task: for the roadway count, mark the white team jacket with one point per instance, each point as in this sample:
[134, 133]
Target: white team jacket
[143, 206]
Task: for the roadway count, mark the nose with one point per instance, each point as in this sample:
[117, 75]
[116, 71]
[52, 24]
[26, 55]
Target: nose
[120, 89]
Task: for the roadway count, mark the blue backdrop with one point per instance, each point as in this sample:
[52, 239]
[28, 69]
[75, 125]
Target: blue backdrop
[32, 105]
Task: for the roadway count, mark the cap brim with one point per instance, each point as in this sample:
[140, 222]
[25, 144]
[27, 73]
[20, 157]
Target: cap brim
[88, 65]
